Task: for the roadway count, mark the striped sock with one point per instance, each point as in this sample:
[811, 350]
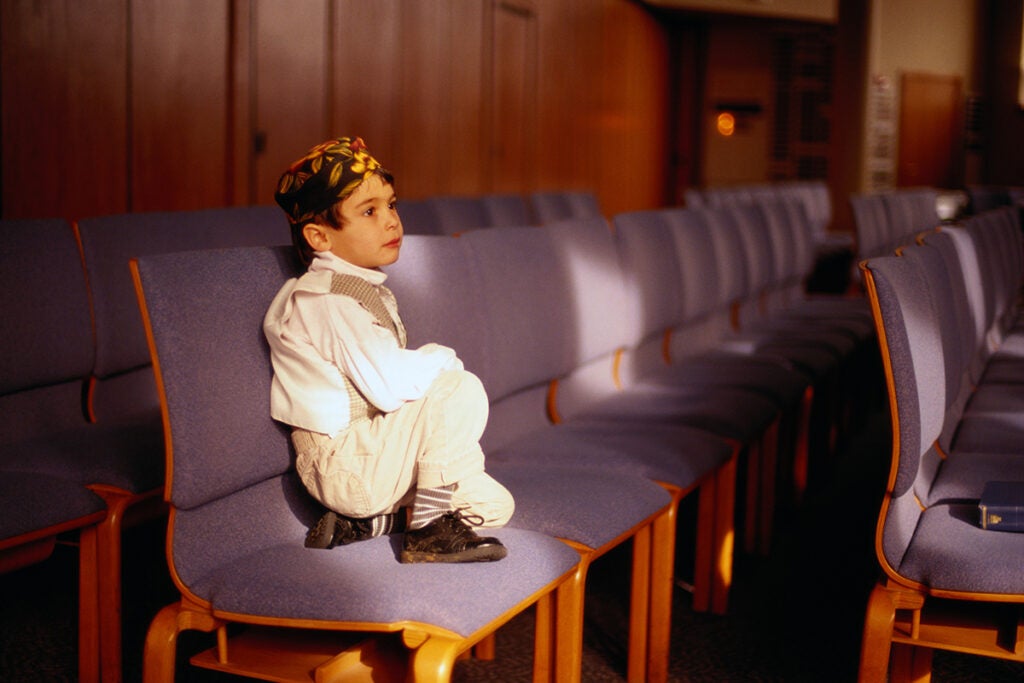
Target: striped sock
[430, 504]
[382, 524]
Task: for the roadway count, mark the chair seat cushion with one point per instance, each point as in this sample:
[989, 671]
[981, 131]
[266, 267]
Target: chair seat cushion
[963, 475]
[364, 582]
[733, 413]
[578, 503]
[951, 552]
[764, 377]
[127, 454]
[35, 503]
[993, 421]
[677, 455]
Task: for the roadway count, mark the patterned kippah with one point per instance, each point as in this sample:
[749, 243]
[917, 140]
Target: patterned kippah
[327, 174]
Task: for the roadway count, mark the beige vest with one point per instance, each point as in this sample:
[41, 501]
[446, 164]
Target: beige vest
[370, 298]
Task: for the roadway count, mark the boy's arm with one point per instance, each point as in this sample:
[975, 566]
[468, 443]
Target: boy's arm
[350, 337]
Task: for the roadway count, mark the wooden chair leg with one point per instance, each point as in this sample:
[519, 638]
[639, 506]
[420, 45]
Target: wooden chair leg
[161, 646]
[569, 625]
[88, 607]
[725, 535]
[433, 656]
[704, 559]
[876, 642]
[544, 644]
[110, 586]
[752, 495]
[802, 446]
[663, 553]
[766, 506]
[485, 650]
[639, 606]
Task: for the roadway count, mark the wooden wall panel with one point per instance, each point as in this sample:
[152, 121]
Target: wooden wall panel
[119, 105]
[365, 57]
[464, 109]
[290, 86]
[634, 132]
[63, 76]
[180, 104]
[513, 144]
[421, 134]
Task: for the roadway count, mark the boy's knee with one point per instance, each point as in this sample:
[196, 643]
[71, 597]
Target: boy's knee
[484, 497]
[460, 389]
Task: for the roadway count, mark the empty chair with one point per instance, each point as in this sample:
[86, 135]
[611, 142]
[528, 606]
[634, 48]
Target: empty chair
[46, 351]
[419, 217]
[948, 583]
[456, 214]
[506, 209]
[469, 294]
[551, 206]
[239, 513]
[122, 398]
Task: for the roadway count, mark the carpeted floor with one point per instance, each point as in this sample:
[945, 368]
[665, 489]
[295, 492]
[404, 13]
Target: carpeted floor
[795, 616]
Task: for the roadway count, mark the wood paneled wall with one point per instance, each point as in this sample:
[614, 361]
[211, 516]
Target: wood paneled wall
[136, 105]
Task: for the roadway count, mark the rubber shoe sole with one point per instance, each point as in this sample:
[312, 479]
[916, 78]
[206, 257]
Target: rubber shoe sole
[484, 553]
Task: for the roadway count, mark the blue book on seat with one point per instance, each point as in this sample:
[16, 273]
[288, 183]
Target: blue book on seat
[1002, 506]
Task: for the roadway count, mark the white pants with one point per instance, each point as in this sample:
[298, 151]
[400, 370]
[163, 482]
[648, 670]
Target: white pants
[374, 466]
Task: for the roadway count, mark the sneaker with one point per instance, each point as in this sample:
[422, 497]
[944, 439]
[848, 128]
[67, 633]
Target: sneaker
[333, 529]
[450, 539]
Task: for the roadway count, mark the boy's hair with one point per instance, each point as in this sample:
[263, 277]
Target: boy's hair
[312, 189]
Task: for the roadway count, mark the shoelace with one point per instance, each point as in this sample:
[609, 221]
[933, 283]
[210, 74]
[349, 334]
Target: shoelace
[470, 519]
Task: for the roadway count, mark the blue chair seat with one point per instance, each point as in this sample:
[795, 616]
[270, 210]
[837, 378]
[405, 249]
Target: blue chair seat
[364, 582]
[588, 505]
[117, 453]
[35, 503]
[951, 552]
[677, 455]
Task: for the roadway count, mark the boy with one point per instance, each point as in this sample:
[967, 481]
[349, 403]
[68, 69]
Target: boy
[376, 426]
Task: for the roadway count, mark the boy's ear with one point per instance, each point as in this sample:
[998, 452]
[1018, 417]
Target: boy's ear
[316, 236]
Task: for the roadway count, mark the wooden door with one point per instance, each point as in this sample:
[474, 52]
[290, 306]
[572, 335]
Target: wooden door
[180, 108]
[284, 107]
[514, 98]
[931, 131]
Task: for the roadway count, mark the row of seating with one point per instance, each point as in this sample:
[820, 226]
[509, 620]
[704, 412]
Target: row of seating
[81, 434]
[732, 393]
[453, 214]
[983, 198]
[948, 314]
[597, 436]
[84, 404]
[813, 195]
[885, 220]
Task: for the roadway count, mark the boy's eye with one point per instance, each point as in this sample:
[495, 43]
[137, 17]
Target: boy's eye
[368, 212]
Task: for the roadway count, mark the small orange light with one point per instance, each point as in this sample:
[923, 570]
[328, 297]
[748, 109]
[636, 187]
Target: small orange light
[726, 124]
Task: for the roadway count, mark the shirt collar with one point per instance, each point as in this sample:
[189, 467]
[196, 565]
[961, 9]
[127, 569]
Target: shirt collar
[327, 261]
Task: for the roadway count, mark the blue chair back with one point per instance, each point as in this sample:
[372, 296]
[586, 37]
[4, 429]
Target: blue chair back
[109, 242]
[46, 344]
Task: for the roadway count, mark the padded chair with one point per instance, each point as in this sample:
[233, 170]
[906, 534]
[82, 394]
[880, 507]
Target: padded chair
[449, 294]
[551, 206]
[239, 513]
[871, 225]
[948, 583]
[559, 302]
[419, 217]
[122, 398]
[506, 209]
[685, 314]
[457, 214]
[45, 354]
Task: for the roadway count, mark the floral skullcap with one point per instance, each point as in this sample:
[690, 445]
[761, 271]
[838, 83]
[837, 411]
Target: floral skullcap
[327, 174]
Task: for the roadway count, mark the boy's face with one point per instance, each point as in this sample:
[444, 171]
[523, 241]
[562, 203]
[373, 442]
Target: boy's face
[371, 232]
